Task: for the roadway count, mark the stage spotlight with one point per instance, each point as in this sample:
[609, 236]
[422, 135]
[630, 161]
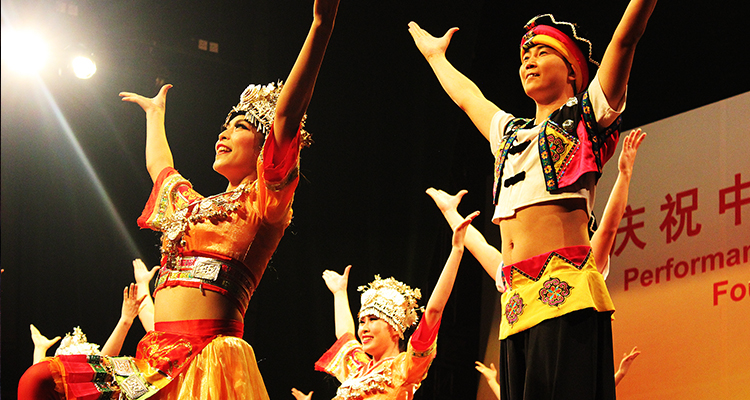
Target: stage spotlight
[80, 61]
[83, 67]
[24, 51]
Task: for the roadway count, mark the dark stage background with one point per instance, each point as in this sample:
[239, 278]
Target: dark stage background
[74, 178]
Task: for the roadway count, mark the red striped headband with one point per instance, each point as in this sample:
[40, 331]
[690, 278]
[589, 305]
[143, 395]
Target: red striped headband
[541, 30]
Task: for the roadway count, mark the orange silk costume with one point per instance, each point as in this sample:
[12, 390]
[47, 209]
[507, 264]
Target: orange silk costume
[231, 235]
[389, 379]
[242, 226]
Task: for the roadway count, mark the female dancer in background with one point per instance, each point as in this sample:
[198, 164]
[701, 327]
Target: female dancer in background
[374, 367]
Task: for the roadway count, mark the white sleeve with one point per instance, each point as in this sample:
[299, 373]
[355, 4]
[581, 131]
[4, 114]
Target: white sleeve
[603, 111]
[500, 283]
[497, 128]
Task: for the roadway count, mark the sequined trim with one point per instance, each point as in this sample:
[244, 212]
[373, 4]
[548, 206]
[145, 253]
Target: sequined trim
[368, 385]
[229, 278]
[215, 208]
[423, 354]
[275, 187]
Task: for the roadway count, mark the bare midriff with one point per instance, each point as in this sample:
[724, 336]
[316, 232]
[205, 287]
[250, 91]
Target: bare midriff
[544, 227]
[186, 303]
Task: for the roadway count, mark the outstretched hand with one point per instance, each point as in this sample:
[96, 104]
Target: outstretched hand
[336, 282]
[142, 274]
[627, 360]
[629, 150]
[156, 103]
[41, 341]
[489, 373]
[429, 45]
[444, 201]
[301, 396]
[131, 304]
[459, 231]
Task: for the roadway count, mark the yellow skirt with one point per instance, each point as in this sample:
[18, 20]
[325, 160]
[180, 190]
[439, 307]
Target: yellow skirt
[550, 285]
[225, 369]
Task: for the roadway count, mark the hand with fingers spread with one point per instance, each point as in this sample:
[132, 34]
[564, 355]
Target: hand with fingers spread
[490, 375]
[143, 277]
[444, 201]
[429, 45]
[131, 303]
[630, 146]
[627, 360]
[157, 103]
[142, 274]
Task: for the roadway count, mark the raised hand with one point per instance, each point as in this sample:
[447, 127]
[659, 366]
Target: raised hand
[301, 396]
[156, 103]
[41, 343]
[459, 231]
[444, 201]
[142, 274]
[629, 150]
[427, 44]
[335, 282]
[131, 304]
[488, 373]
[627, 360]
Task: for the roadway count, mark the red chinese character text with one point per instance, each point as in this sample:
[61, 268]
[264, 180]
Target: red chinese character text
[682, 207]
[629, 229]
[738, 201]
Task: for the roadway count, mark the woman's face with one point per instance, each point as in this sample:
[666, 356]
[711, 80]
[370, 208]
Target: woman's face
[237, 151]
[377, 336]
[544, 72]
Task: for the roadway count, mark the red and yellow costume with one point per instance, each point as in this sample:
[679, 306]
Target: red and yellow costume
[220, 243]
[390, 378]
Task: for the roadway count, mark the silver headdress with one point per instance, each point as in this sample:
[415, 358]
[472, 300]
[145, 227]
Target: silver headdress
[76, 343]
[258, 104]
[392, 301]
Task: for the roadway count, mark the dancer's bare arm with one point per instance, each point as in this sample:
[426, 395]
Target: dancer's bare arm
[158, 154]
[460, 88]
[487, 255]
[614, 70]
[299, 85]
[337, 284]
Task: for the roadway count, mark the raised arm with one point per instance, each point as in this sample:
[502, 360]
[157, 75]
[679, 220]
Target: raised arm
[487, 255]
[130, 305]
[337, 284]
[614, 71]
[461, 89]
[143, 277]
[439, 297]
[604, 237]
[627, 360]
[158, 154]
[299, 85]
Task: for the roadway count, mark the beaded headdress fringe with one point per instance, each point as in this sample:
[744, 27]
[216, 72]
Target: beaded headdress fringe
[392, 301]
[258, 104]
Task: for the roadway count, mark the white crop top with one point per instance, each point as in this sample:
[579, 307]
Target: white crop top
[531, 189]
